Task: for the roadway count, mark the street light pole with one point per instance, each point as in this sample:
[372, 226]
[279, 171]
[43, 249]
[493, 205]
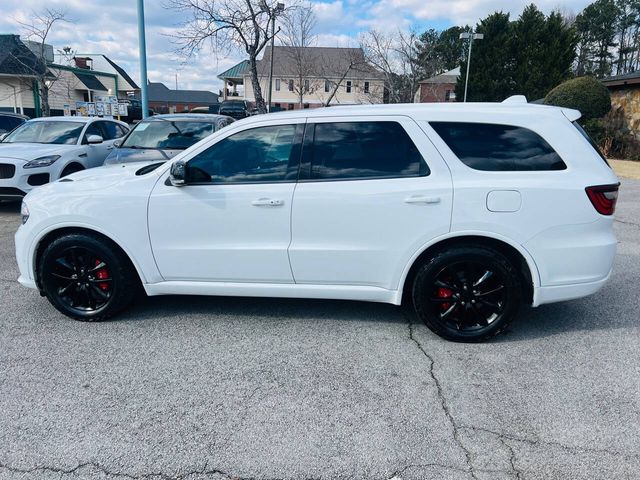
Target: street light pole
[471, 36]
[142, 48]
[279, 8]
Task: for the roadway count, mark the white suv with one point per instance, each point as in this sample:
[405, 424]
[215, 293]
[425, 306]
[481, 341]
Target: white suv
[465, 210]
[46, 149]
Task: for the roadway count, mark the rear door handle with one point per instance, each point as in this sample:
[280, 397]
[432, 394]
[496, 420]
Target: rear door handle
[422, 199]
[267, 202]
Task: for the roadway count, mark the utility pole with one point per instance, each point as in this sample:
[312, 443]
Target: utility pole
[142, 48]
[278, 9]
[471, 36]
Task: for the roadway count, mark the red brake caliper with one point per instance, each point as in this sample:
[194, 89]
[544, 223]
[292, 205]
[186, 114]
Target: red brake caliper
[101, 275]
[444, 293]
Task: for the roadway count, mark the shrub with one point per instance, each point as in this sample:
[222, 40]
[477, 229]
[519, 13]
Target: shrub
[585, 94]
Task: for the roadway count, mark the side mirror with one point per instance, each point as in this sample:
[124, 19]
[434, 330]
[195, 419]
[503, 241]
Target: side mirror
[94, 139]
[178, 173]
[117, 143]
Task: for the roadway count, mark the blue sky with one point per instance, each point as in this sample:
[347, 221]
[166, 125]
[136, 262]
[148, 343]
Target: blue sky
[109, 27]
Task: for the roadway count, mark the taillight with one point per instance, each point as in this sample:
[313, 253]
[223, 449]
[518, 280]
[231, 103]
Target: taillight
[604, 198]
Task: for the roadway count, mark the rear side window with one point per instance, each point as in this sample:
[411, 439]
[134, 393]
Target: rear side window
[498, 148]
[362, 150]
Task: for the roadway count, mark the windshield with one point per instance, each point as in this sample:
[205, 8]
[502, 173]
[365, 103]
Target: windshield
[59, 133]
[232, 106]
[166, 134]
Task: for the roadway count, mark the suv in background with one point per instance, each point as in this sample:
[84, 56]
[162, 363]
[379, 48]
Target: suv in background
[134, 111]
[464, 212]
[237, 109]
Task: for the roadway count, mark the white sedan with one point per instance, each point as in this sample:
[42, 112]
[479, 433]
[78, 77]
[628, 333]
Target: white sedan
[46, 149]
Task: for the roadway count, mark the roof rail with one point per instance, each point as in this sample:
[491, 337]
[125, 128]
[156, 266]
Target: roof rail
[516, 99]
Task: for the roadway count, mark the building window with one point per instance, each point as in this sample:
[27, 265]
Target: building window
[327, 86]
[290, 106]
[277, 105]
[291, 85]
[277, 84]
[366, 87]
[447, 96]
[306, 86]
[348, 86]
[306, 105]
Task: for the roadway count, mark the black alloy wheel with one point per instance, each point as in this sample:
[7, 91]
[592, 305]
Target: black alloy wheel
[82, 279]
[467, 293]
[87, 277]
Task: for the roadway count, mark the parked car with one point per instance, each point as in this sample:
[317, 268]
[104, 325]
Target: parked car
[46, 149]
[215, 109]
[134, 111]
[464, 211]
[161, 137]
[237, 109]
[9, 121]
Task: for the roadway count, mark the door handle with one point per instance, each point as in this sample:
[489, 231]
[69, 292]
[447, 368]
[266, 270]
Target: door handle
[422, 199]
[267, 202]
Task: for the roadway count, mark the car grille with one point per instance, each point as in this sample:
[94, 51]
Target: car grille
[7, 170]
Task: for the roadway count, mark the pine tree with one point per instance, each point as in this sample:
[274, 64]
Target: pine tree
[492, 62]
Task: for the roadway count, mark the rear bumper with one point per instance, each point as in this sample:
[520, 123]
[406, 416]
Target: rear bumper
[561, 293]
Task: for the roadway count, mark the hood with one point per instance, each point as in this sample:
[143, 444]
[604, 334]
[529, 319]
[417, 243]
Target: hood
[31, 151]
[95, 180]
[126, 155]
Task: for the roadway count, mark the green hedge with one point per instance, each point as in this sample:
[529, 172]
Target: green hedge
[585, 94]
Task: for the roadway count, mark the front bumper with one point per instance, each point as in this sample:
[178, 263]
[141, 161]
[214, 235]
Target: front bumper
[22, 181]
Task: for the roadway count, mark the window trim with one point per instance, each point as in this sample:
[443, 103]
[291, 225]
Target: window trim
[304, 175]
[293, 168]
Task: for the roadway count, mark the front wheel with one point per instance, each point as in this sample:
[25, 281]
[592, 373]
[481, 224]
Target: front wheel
[86, 277]
[467, 293]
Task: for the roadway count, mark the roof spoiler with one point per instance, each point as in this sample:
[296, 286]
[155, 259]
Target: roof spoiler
[571, 114]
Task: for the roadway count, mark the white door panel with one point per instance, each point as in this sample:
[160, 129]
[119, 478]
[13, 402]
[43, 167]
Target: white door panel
[217, 233]
[364, 232]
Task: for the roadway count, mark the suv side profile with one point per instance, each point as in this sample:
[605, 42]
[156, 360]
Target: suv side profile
[464, 211]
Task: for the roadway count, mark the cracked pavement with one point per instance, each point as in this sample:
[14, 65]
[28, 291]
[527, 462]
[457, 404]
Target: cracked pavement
[235, 388]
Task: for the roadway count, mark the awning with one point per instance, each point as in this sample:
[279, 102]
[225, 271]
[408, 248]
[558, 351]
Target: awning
[91, 81]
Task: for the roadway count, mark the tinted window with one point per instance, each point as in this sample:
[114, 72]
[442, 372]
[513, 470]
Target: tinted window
[350, 150]
[93, 129]
[256, 155]
[122, 131]
[491, 147]
[110, 130]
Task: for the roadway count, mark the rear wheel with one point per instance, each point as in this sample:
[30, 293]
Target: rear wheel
[86, 277]
[467, 293]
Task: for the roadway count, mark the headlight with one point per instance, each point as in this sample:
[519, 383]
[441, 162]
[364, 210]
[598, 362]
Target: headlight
[41, 162]
[24, 213]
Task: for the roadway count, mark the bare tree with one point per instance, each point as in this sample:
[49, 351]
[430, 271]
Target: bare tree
[38, 31]
[226, 24]
[297, 35]
[396, 56]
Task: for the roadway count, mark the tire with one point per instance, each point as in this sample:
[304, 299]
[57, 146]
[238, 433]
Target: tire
[86, 277]
[71, 168]
[467, 293]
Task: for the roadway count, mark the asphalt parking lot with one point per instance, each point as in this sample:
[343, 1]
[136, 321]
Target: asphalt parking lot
[217, 388]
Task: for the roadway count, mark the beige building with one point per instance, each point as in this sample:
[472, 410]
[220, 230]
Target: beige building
[307, 78]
